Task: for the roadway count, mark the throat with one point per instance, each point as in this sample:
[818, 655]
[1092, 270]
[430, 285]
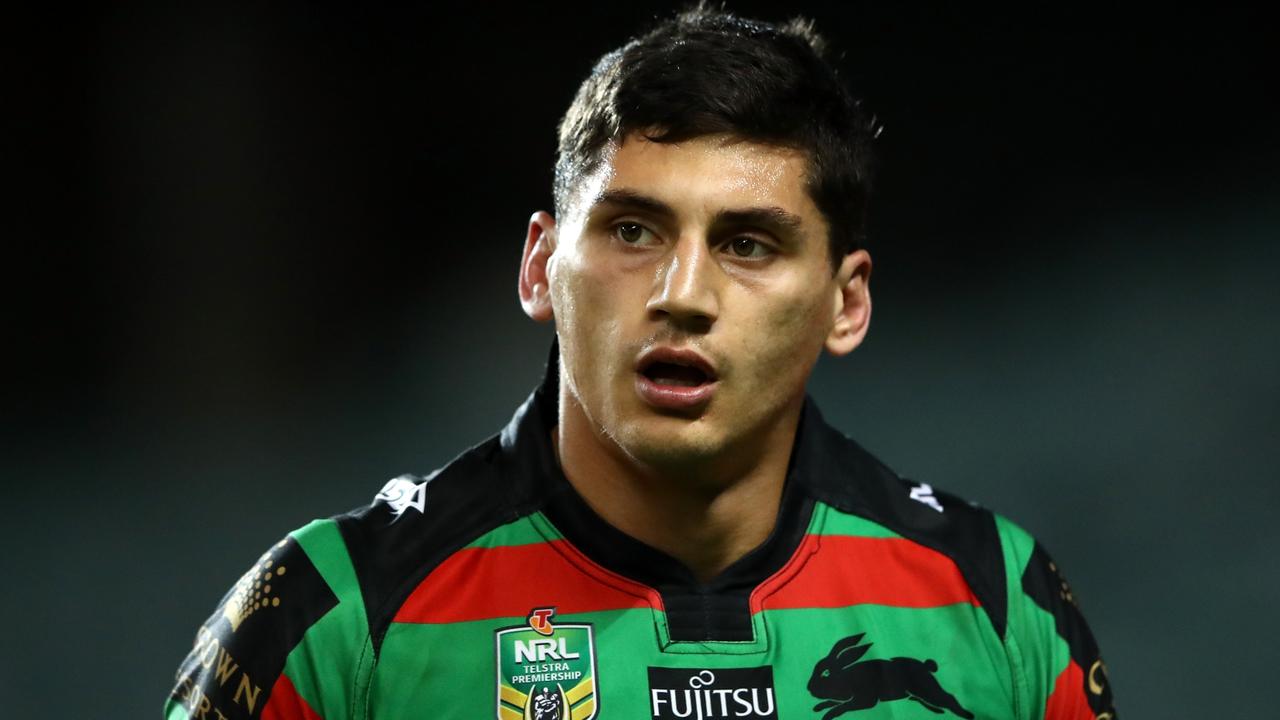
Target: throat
[707, 517]
[704, 563]
[705, 529]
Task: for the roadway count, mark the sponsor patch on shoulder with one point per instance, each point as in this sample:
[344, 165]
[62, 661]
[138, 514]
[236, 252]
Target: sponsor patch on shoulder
[240, 650]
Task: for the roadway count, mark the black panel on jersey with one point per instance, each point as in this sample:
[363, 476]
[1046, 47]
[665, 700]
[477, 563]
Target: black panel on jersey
[241, 649]
[1043, 582]
[850, 479]
[716, 610]
[494, 483]
[392, 553]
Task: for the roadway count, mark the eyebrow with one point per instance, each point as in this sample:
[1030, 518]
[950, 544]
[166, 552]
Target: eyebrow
[762, 216]
[632, 199]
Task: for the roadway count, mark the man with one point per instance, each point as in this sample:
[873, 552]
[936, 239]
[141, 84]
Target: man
[668, 528]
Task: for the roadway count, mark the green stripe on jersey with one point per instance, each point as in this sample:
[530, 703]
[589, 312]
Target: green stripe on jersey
[830, 521]
[325, 666]
[173, 710]
[1036, 650]
[522, 531]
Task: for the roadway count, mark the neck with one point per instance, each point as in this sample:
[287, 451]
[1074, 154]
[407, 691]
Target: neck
[705, 512]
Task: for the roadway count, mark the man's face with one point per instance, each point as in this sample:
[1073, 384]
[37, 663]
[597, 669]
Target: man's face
[692, 291]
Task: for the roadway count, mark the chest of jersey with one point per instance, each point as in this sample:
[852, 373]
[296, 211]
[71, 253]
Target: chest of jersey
[859, 625]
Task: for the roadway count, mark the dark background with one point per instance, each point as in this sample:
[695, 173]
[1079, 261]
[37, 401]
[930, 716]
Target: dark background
[261, 260]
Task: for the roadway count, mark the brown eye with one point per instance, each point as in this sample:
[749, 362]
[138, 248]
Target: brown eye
[630, 232]
[744, 247]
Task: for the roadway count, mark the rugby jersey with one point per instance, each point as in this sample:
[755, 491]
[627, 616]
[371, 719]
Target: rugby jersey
[489, 589]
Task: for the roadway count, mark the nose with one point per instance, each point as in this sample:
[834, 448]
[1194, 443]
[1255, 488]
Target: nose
[685, 286]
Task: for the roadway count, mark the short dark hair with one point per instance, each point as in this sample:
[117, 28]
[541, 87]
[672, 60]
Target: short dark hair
[707, 72]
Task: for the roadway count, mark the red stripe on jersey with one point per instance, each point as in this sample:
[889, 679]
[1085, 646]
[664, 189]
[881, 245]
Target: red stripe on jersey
[482, 583]
[1067, 702]
[839, 571]
[286, 704]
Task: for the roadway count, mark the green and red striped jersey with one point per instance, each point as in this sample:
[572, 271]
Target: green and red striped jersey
[490, 590]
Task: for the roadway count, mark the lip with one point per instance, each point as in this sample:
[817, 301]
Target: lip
[675, 397]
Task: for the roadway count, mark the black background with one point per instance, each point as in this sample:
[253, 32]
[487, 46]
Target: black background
[259, 260]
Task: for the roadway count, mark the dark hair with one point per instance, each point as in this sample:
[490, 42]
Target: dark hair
[708, 72]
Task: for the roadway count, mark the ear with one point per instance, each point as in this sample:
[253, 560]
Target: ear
[846, 644]
[539, 244]
[847, 651]
[847, 659]
[852, 306]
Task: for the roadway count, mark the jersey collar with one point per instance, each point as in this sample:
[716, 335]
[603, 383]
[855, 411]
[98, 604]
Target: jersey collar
[711, 611]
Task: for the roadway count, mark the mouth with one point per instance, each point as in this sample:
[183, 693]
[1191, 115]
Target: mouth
[675, 379]
[665, 373]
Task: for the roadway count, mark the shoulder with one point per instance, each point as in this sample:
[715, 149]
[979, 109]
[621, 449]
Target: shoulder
[416, 522]
[301, 626]
[297, 594]
[850, 480]
[1016, 581]
[1054, 648]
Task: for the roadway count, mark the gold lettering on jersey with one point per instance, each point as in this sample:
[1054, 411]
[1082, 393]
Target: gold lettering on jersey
[226, 667]
[219, 665]
[249, 691]
[198, 704]
[1096, 686]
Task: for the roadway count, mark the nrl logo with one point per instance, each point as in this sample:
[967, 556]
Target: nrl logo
[546, 671]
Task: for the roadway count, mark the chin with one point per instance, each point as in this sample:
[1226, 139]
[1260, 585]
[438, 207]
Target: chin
[661, 441]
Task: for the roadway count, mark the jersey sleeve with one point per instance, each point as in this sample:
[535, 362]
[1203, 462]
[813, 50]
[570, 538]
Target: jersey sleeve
[289, 641]
[1058, 669]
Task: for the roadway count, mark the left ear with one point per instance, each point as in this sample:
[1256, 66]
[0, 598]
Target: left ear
[534, 283]
[852, 303]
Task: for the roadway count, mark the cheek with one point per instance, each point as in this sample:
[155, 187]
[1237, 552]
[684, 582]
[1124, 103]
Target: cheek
[789, 335]
[588, 317]
[579, 295]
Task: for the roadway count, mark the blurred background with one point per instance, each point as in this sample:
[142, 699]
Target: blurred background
[262, 259]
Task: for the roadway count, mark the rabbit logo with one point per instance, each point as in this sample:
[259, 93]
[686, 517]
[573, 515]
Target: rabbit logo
[846, 685]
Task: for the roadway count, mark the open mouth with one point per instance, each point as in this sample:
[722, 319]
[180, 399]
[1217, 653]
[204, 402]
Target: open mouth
[676, 379]
[669, 373]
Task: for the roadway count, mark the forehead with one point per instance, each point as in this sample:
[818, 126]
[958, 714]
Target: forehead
[706, 174]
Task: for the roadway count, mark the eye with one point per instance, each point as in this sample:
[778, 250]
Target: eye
[826, 673]
[745, 246]
[633, 233]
